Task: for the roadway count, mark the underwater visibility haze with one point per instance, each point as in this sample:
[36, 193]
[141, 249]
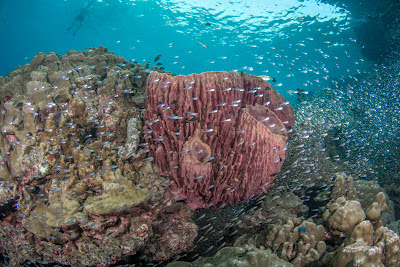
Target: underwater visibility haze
[199, 133]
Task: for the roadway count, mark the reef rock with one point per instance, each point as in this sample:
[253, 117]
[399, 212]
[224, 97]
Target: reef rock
[78, 188]
[273, 207]
[234, 256]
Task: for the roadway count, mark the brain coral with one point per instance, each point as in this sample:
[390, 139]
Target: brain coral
[219, 137]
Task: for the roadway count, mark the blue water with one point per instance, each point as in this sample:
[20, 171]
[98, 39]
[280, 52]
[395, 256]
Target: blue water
[299, 43]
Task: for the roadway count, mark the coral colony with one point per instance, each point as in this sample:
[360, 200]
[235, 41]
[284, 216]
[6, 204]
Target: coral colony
[102, 159]
[82, 189]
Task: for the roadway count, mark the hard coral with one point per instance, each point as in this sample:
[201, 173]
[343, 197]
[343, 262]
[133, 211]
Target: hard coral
[343, 215]
[234, 256]
[77, 187]
[364, 247]
[298, 242]
[273, 207]
[367, 242]
[220, 137]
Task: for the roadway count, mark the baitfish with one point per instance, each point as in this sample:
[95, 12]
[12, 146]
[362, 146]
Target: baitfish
[202, 44]
[158, 57]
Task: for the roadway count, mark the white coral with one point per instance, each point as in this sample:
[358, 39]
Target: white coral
[132, 140]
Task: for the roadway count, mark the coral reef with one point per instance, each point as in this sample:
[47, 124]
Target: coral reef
[278, 225]
[356, 234]
[352, 202]
[84, 182]
[366, 247]
[191, 122]
[343, 187]
[176, 234]
[77, 186]
[274, 207]
[296, 241]
[366, 193]
[376, 209]
[234, 256]
[364, 240]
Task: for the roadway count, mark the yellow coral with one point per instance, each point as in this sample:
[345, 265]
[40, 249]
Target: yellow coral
[116, 197]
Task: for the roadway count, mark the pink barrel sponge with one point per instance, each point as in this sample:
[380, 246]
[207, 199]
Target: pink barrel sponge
[219, 137]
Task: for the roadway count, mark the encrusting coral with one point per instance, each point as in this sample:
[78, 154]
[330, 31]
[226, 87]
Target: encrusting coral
[235, 256]
[77, 183]
[375, 210]
[220, 137]
[366, 247]
[343, 187]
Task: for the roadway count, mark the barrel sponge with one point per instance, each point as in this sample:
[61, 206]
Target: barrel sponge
[219, 137]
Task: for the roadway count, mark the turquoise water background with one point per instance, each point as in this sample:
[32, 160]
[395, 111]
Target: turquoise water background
[302, 44]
